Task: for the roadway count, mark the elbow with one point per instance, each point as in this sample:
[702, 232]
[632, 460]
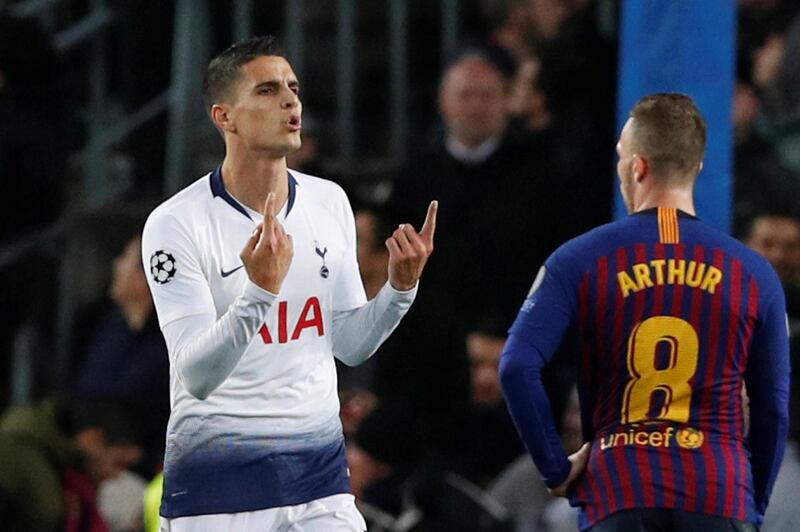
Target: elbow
[518, 365]
[198, 386]
[199, 390]
[200, 394]
[353, 358]
[511, 370]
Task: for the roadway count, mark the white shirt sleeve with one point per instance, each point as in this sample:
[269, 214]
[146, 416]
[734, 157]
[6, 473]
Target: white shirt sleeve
[358, 333]
[203, 350]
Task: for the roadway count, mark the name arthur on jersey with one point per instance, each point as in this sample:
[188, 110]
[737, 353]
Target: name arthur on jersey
[658, 272]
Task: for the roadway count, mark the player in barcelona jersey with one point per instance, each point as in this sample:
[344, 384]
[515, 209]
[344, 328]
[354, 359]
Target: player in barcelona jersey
[674, 320]
[255, 280]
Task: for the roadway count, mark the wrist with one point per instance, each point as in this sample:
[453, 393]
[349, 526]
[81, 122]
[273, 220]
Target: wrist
[270, 285]
[402, 287]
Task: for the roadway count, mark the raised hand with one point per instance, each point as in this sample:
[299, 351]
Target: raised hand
[269, 251]
[409, 251]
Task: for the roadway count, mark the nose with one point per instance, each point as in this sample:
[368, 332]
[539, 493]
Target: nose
[291, 100]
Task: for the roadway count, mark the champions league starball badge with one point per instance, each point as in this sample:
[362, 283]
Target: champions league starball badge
[162, 266]
[324, 272]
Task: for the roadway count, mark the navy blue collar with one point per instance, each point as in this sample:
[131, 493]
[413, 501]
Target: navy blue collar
[218, 191]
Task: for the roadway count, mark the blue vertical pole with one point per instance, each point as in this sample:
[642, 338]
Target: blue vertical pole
[685, 46]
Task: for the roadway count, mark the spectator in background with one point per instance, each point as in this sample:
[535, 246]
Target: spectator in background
[52, 458]
[528, 103]
[489, 441]
[521, 490]
[783, 512]
[775, 73]
[126, 359]
[578, 77]
[422, 365]
[499, 193]
[776, 236]
[382, 457]
[761, 182]
[372, 229]
[509, 26]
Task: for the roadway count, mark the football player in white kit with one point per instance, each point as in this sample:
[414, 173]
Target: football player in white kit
[254, 275]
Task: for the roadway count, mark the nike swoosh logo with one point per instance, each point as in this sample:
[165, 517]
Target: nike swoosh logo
[224, 274]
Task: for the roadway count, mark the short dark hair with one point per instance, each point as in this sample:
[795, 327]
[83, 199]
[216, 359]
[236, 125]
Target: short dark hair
[491, 54]
[223, 70]
[671, 132]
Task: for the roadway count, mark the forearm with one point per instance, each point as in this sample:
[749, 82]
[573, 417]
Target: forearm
[358, 333]
[767, 379]
[205, 351]
[767, 443]
[520, 376]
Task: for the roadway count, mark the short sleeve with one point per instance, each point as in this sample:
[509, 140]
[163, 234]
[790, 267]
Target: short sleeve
[348, 290]
[172, 264]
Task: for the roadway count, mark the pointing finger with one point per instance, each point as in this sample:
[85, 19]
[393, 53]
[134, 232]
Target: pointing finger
[429, 227]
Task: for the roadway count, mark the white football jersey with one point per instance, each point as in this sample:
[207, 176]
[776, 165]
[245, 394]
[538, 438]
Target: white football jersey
[269, 434]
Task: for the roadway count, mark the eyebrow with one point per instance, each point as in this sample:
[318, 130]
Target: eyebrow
[274, 83]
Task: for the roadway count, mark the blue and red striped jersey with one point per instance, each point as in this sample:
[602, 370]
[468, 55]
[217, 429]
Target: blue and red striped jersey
[673, 319]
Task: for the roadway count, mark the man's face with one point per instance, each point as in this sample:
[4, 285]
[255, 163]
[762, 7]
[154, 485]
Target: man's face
[128, 281]
[625, 165]
[778, 239]
[473, 101]
[484, 353]
[265, 110]
[104, 460]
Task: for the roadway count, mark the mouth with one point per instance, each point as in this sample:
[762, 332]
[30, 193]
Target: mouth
[294, 123]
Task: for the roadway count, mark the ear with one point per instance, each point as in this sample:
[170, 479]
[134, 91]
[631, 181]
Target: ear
[640, 167]
[220, 115]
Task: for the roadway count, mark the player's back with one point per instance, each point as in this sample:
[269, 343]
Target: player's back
[666, 312]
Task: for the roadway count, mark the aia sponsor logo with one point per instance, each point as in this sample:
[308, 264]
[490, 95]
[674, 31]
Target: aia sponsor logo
[310, 318]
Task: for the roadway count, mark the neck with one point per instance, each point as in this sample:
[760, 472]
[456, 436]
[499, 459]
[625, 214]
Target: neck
[136, 313]
[678, 198]
[250, 178]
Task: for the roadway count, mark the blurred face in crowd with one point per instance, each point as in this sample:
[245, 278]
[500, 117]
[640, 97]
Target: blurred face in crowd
[746, 108]
[484, 353]
[777, 238]
[473, 101]
[104, 460]
[128, 282]
[262, 111]
[373, 256]
[364, 469]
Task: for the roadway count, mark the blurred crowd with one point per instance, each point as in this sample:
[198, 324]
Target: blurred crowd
[520, 157]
